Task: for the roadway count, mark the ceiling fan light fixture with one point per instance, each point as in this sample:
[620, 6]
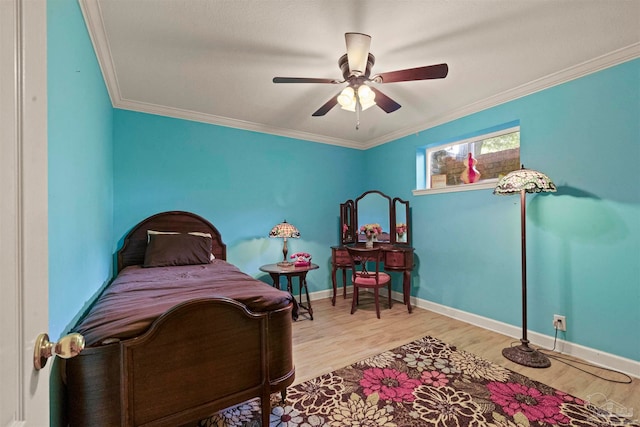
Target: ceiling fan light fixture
[366, 97]
[350, 107]
[368, 104]
[350, 102]
[347, 97]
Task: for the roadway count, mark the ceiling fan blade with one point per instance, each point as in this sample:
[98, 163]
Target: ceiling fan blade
[302, 80]
[439, 71]
[384, 102]
[326, 107]
[358, 45]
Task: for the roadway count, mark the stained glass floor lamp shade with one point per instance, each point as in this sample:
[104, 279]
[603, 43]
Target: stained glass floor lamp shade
[285, 231]
[520, 182]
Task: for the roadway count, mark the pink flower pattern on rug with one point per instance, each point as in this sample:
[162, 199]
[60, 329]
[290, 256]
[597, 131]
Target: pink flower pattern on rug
[434, 378]
[389, 384]
[422, 383]
[535, 405]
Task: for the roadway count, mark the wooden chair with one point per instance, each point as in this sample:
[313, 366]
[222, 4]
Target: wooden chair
[365, 265]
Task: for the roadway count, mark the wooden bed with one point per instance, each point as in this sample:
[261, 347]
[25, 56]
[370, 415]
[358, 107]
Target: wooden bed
[189, 360]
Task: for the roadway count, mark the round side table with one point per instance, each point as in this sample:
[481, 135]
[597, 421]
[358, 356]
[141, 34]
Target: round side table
[275, 271]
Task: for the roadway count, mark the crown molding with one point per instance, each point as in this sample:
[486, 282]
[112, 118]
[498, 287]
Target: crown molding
[195, 116]
[588, 67]
[95, 25]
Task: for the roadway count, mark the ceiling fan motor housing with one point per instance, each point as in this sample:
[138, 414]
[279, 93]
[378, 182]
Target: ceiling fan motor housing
[343, 63]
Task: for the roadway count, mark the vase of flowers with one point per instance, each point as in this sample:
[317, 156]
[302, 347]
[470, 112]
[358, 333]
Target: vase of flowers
[371, 231]
[401, 229]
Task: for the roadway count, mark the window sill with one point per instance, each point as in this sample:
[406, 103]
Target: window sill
[485, 185]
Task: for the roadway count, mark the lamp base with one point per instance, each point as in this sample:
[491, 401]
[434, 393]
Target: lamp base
[285, 264]
[526, 356]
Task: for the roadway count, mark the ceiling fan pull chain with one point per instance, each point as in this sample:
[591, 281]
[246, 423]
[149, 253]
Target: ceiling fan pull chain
[358, 108]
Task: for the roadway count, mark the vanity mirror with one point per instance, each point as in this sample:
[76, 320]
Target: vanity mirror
[375, 207]
[347, 222]
[401, 221]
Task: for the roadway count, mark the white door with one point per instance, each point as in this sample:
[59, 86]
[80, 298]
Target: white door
[24, 394]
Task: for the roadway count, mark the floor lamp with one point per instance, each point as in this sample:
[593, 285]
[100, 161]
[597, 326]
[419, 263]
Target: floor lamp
[524, 181]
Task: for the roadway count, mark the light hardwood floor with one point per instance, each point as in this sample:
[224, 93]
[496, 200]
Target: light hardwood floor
[335, 339]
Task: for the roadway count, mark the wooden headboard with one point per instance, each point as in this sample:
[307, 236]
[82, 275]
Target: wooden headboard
[135, 243]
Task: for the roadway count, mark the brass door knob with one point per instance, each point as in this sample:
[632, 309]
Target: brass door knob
[69, 346]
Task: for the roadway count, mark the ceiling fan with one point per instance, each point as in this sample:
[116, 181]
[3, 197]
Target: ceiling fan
[356, 70]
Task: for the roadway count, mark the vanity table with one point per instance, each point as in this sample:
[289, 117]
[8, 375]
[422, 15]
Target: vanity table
[393, 216]
[394, 258]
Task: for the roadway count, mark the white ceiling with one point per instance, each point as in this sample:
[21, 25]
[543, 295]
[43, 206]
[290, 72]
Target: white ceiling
[214, 60]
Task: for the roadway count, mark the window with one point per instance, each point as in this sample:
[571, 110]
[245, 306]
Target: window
[493, 155]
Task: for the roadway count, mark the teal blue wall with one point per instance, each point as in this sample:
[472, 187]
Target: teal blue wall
[80, 150]
[80, 178]
[583, 242]
[243, 182]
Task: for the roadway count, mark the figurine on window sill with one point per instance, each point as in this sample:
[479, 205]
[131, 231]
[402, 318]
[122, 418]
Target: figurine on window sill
[302, 259]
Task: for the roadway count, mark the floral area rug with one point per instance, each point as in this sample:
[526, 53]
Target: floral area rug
[424, 383]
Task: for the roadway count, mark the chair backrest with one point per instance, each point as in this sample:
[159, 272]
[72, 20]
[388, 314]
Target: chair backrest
[365, 262]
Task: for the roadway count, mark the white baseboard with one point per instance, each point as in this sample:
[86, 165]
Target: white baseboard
[594, 356]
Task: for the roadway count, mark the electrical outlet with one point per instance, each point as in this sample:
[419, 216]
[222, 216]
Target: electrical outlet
[559, 322]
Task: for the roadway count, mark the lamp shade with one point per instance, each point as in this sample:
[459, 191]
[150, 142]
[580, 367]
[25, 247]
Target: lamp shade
[529, 180]
[284, 230]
